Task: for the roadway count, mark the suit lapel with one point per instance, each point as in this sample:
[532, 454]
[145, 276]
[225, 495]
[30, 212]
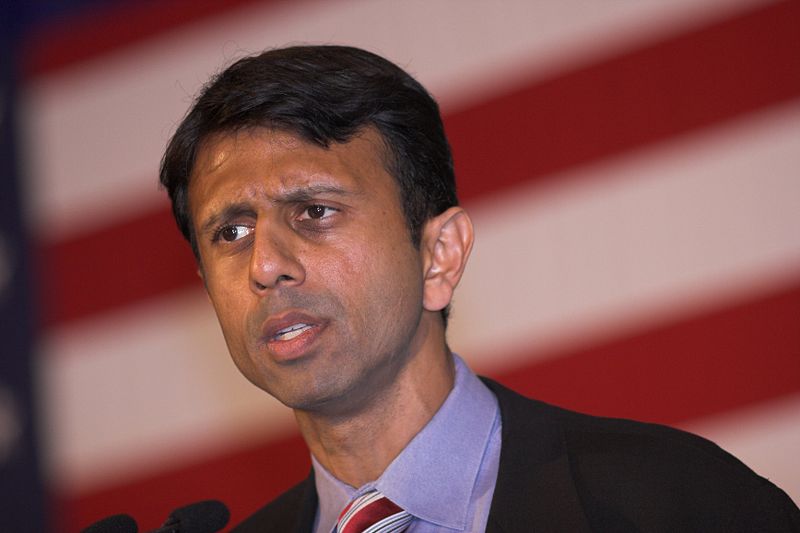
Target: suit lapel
[535, 491]
[308, 507]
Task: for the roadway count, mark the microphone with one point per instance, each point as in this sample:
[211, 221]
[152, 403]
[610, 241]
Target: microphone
[207, 516]
[118, 523]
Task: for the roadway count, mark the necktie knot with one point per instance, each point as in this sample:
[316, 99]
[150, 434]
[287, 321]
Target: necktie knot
[372, 512]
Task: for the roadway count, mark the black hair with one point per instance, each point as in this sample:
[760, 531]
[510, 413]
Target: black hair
[324, 95]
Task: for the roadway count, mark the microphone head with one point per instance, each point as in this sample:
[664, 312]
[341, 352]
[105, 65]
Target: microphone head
[207, 516]
[118, 523]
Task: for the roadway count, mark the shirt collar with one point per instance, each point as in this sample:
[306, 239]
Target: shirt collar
[434, 476]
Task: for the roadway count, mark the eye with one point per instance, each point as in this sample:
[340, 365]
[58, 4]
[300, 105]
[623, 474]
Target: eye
[316, 212]
[233, 233]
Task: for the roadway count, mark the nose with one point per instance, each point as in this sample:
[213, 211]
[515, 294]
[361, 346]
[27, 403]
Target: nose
[274, 262]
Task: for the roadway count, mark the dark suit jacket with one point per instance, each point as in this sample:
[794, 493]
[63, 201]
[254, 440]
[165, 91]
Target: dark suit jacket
[565, 471]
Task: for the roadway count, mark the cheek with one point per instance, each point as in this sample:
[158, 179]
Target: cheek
[383, 283]
[229, 302]
[232, 316]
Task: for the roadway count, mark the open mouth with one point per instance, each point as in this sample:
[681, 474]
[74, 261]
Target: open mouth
[289, 333]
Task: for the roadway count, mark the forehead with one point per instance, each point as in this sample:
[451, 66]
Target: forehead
[263, 164]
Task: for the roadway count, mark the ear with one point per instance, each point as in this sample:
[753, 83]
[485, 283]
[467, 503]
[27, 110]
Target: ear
[446, 244]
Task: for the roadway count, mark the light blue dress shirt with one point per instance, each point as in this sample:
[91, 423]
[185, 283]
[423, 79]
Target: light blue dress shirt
[446, 475]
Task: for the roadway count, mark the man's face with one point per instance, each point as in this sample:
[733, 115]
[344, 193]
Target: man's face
[308, 262]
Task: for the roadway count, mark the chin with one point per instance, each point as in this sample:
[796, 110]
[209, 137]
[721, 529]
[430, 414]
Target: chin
[302, 396]
[329, 400]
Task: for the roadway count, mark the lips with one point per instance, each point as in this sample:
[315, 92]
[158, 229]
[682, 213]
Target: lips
[295, 330]
[290, 335]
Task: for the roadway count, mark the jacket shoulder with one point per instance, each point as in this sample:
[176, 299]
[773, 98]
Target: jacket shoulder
[631, 475]
[294, 510]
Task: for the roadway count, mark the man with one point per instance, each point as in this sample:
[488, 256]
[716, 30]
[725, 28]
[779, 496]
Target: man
[316, 188]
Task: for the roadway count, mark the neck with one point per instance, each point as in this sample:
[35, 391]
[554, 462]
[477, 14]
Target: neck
[357, 447]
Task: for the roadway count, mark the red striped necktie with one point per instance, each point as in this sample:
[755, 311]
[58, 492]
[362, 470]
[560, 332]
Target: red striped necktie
[372, 512]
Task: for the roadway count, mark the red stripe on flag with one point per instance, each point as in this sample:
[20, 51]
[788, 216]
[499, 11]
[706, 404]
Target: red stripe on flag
[685, 83]
[741, 355]
[98, 30]
[697, 367]
[114, 266]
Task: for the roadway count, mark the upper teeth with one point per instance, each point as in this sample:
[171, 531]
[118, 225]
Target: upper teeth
[291, 332]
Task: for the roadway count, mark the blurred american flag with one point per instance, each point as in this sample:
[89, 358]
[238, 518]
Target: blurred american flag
[633, 170]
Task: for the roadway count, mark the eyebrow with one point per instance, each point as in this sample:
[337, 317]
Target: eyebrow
[297, 195]
[308, 193]
[232, 211]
